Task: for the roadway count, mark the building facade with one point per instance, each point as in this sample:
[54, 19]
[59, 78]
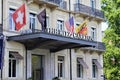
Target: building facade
[33, 53]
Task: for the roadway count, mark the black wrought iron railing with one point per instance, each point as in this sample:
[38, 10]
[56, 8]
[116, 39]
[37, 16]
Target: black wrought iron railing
[63, 5]
[56, 3]
[88, 10]
[52, 1]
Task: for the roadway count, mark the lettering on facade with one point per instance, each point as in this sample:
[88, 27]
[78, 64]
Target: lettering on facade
[59, 33]
[68, 34]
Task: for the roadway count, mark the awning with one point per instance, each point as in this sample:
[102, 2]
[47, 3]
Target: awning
[81, 61]
[16, 55]
[97, 64]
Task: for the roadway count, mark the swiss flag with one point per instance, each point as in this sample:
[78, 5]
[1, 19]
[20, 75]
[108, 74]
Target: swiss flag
[19, 17]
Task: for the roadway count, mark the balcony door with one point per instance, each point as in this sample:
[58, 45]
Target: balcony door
[37, 67]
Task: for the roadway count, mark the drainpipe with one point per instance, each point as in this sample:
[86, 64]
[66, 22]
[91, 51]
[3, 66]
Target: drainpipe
[70, 48]
[70, 64]
[26, 60]
[69, 7]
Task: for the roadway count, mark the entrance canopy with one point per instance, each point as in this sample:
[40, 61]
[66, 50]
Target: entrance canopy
[54, 40]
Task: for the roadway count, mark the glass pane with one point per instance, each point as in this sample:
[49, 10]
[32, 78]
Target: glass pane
[61, 70]
[13, 68]
[37, 67]
[11, 22]
[32, 21]
[79, 70]
[94, 70]
[9, 68]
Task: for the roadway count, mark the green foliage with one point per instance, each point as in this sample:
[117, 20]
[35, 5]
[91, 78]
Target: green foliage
[111, 9]
[111, 55]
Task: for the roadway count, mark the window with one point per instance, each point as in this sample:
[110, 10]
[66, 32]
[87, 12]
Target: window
[78, 1]
[11, 22]
[14, 58]
[12, 66]
[95, 66]
[32, 21]
[94, 69]
[60, 66]
[58, 1]
[60, 24]
[81, 65]
[79, 69]
[93, 33]
[93, 4]
[47, 22]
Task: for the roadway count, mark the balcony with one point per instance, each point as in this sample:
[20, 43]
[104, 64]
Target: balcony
[86, 10]
[63, 5]
[53, 3]
[54, 40]
[49, 3]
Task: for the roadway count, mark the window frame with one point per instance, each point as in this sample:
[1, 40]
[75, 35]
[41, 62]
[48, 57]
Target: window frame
[31, 17]
[94, 69]
[94, 33]
[11, 71]
[60, 25]
[61, 75]
[11, 21]
[93, 4]
[81, 73]
[17, 60]
[47, 21]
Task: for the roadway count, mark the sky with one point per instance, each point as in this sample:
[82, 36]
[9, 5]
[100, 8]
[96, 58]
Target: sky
[104, 26]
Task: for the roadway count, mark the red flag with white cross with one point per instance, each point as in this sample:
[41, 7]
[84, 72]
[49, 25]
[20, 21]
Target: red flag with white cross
[19, 17]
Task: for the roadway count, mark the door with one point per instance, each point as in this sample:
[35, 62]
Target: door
[37, 67]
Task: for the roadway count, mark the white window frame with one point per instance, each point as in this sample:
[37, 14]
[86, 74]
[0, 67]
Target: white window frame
[47, 21]
[11, 21]
[31, 17]
[94, 33]
[81, 69]
[94, 70]
[63, 67]
[93, 4]
[60, 25]
[17, 67]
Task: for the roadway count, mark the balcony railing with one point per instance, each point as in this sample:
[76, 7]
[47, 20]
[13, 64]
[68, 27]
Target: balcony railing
[53, 3]
[63, 5]
[88, 10]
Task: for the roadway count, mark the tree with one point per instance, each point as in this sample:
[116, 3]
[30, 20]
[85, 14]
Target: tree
[111, 56]
[111, 9]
